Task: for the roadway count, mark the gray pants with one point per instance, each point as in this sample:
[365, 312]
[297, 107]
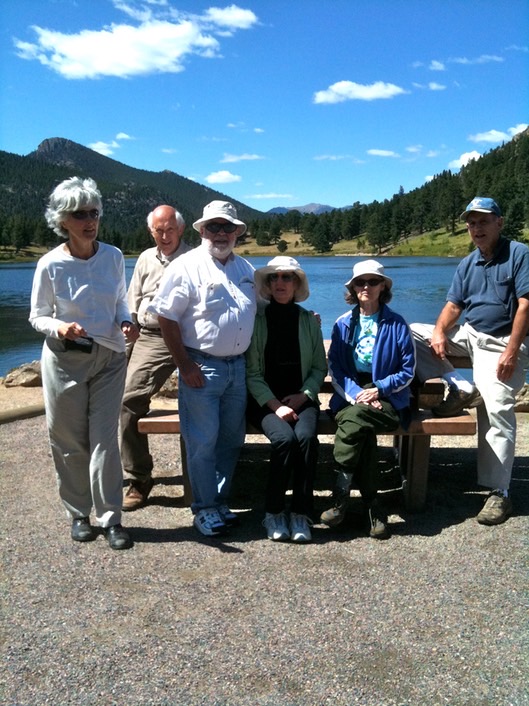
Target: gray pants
[150, 364]
[82, 395]
[496, 418]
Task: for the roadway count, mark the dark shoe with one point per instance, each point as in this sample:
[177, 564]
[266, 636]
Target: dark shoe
[82, 530]
[335, 515]
[378, 528]
[137, 493]
[118, 537]
[231, 519]
[456, 401]
[496, 510]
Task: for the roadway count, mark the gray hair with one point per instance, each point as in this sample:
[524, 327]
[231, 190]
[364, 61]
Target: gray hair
[69, 196]
[179, 218]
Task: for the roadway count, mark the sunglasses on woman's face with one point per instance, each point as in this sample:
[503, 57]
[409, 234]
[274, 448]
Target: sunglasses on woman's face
[215, 228]
[361, 283]
[286, 277]
[93, 213]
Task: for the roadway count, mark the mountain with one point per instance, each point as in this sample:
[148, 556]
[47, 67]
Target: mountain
[315, 208]
[128, 193]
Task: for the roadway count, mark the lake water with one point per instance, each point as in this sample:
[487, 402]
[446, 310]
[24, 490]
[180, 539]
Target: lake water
[419, 289]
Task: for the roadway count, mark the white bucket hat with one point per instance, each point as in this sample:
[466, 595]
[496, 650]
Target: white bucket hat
[219, 209]
[282, 263]
[368, 267]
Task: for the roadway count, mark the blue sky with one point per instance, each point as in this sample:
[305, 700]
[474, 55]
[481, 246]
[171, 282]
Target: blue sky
[272, 102]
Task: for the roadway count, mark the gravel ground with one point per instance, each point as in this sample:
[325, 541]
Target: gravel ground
[436, 615]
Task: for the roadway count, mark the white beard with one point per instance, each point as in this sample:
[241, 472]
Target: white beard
[214, 251]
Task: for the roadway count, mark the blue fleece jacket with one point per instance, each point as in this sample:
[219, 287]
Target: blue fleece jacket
[393, 359]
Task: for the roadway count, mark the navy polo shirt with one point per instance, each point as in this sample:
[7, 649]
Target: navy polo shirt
[489, 291]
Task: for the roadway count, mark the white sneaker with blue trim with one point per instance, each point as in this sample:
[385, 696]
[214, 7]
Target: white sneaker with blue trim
[209, 522]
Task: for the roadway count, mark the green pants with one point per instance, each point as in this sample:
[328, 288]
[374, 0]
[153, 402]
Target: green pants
[355, 443]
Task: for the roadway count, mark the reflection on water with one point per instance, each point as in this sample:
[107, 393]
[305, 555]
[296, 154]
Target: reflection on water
[419, 290]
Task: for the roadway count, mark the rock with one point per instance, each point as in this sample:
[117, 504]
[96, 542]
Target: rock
[27, 375]
[170, 388]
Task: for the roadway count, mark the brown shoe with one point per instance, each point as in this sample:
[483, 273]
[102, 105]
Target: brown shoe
[137, 494]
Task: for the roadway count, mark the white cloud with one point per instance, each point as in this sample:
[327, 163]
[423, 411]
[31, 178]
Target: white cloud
[497, 136]
[105, 148]
[231, 17]
[429, 177]
[123, 136]
[258, 130]
[463, 160]
[483, 59]
[436, 86]
[414, 149]
[228, 158]
[432, 153]
[169, 150]
[437, 65]
[348, 90]
[269, 196]
[222, 177]
[382, 153]
[330, 157]
[155, 45]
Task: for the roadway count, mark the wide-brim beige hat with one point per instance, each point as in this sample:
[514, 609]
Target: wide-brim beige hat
[219, 209]
[282, 263]
[368, 267]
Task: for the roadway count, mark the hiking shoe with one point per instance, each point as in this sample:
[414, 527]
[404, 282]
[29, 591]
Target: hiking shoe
[335, 515]
[118, 538]
[456, 401]
[276, 526]
[378, 528]
[82, 530]
[300, 528]
[136, 494]
[231, 519]
[209, 522]
[496, 509]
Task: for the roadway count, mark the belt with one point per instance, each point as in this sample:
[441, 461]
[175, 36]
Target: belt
[216, 357]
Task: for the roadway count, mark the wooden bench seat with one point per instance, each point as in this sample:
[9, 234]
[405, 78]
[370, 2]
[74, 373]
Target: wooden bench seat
[413, 445]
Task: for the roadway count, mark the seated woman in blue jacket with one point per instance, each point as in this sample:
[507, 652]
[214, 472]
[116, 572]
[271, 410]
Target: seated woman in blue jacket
[285, 368]
[372, 363]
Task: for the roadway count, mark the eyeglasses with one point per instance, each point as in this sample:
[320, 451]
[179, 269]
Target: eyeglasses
[93, 213]
[215, 228]
[285, 276]
[361, 283]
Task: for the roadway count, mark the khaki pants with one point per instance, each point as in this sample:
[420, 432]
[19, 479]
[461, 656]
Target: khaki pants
[496, 418]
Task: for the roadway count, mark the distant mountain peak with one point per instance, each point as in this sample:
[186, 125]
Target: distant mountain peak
[315, 208]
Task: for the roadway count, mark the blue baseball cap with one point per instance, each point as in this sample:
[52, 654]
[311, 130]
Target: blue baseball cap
[482, 205]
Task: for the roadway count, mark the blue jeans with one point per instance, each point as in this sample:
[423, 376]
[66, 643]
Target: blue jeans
[213, 425]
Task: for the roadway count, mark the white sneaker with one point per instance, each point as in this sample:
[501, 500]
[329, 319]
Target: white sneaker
[209, 522]
[300, 528]
[276, 526]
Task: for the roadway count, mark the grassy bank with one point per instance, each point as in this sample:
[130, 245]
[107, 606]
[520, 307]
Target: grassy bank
[436, 243]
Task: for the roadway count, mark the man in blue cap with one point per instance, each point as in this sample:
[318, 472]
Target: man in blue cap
[491, 289]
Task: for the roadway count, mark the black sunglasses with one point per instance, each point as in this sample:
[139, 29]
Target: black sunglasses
[371, 282]
[93, 213]
[285, 276]
[215, 228]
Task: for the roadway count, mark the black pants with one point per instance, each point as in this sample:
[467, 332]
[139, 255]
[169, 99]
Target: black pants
[294, 455]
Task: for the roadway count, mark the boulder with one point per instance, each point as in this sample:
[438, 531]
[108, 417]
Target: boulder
[27, 375]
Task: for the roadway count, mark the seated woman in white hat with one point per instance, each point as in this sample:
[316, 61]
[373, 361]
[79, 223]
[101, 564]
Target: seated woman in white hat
[372, 363]
[285, 368]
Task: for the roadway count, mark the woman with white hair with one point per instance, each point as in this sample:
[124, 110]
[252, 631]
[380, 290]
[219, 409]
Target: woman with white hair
[372, 363]
[79, 302]
[285, 368]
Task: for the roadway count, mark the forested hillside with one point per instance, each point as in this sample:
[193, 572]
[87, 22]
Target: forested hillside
[502, 173]
[129, 194]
